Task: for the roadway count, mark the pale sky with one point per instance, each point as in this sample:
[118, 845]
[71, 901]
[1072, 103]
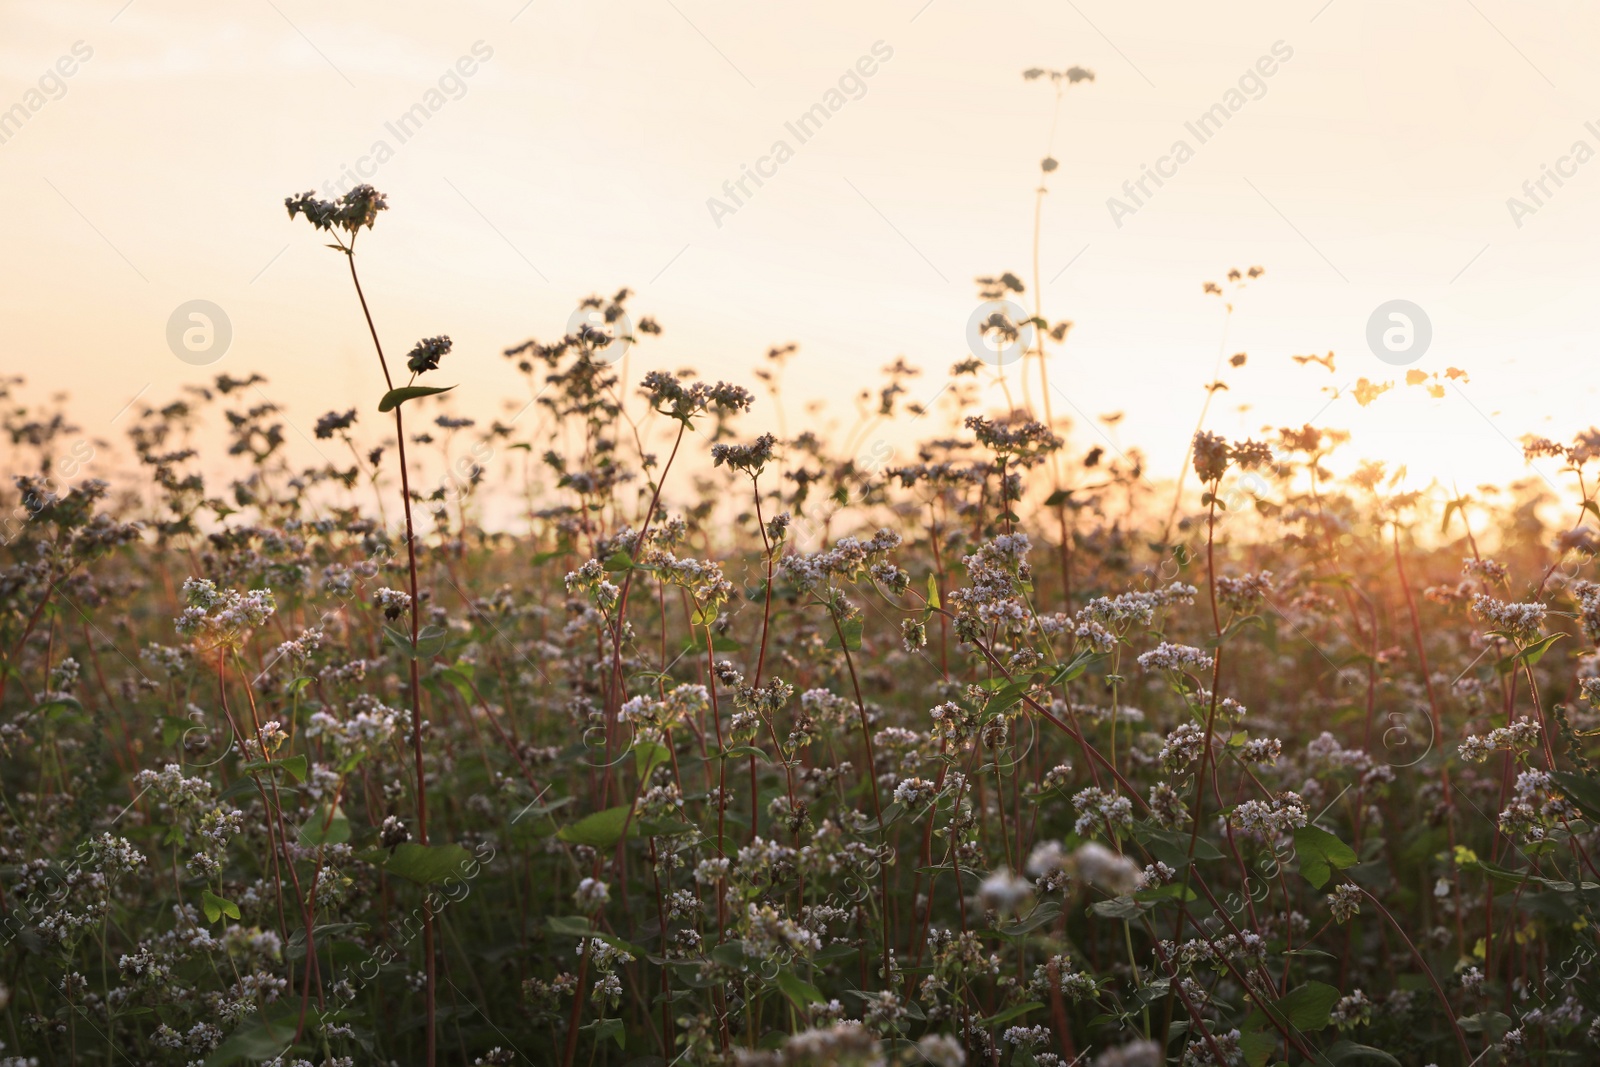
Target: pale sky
[580, 154]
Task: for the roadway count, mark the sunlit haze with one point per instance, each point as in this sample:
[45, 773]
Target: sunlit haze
[590, 146]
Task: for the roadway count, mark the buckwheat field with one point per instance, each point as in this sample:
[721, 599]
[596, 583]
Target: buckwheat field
[663, 730]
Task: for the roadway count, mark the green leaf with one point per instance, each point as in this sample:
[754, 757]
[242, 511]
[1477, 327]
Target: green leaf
[799, 991]
[719, 643]
[295, 767]
[835, 952]
[1040, 915]
[1124, 908]
[1071, 671]
[325, 829]
[1492, 1023]
[569, 925]
[395, 397]
[1256, 1047]
[215, 907]
[1014, 1012]
[1535, 652]
[1307, 1006]
[257, 1039]
[1343, 1052]
[973, 878]
[891, 815]
[851, 628]
[430, 641]
[660, 828]
[1319, 852]
[933, 590]
[56, 707]
[1172, 846]
[1238, 625]
[730, 954]
[1317, 952]
[600, 830]
[735, 751]
[1584, 792]
[1007, 697]
[460, 680]
[429, 864]
[648, 755]
[604, 1028]
[1175, 891]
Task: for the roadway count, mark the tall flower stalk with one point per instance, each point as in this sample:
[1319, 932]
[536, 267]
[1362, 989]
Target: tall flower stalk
[347, 216]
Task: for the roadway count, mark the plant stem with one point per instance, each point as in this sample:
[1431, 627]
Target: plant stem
[430, 993]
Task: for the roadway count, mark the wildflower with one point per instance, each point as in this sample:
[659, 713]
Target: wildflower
[941, 1050]
[1197, 1053]
[1047, 856]
[426, 353]
[1520, 622]
[393, 602]
[591, 895]
[394, 833]
[1003, 891]
[1027, 1038]
[355, 209]
[222, 617]
[1171, 657]
[1246, 594]
[1026, 442]
[1344, 902]
[953, 724]
[913, 634]
[1184, 745]
[1099, 810]
[333, 422]
[1167, 808]
[1210, 457]
[767, 932]
[1352, 1010]
[1137, 1053]
[913, 791]
[1109, 871]
[847, 1044]
[1261, 750]
[1486, 570]
[668, 395]
[1251, 454]
[749, 458]
[1283, 813]
[1520, 735]
[114, 856]
[1155, 875]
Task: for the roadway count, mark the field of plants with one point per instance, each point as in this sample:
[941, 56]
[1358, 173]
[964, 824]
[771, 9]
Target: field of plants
[647, 726]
